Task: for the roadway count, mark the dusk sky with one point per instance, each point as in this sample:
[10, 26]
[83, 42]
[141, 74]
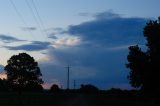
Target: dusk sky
[92, 36]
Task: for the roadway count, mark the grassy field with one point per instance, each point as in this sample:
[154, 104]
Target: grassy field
[121, 100]
[34, 99]
[66, 99]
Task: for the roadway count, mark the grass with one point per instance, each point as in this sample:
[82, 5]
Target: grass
[34, 99]
[122, 100]
[59, 99]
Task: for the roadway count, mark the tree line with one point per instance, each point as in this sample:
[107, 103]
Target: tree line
[23, 74]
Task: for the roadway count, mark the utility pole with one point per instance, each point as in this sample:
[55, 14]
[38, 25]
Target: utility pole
[74, 84]
[68, 75]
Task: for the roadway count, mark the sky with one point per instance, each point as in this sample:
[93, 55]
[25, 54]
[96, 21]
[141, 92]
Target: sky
[91, 36]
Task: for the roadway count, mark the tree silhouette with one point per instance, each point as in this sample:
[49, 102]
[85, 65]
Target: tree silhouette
[145, 66]
[138, 63]
[3, 85]
[23, 72]
[54, 88]
[89, 88]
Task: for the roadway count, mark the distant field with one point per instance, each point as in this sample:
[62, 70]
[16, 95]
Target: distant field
[120, 100]
[74, 99]
[34, 99]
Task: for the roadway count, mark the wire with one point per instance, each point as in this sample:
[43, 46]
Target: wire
[40, 19]
[19, 15]
[34, 15]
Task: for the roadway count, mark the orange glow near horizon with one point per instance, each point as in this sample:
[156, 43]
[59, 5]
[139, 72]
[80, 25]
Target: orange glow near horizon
[3, 76]
[48, 85]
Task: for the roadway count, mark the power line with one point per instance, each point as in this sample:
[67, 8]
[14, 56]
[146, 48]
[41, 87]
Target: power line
[74, 84]
[34, 15]
[38, 15]
[19, 15]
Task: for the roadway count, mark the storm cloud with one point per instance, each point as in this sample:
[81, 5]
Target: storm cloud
[110, 29]
[101, 55]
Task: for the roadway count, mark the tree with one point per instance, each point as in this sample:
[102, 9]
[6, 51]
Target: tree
[55, 88]
[22, 72]
[3, 85]
[145, 65]
[138, 63]
[88, 88]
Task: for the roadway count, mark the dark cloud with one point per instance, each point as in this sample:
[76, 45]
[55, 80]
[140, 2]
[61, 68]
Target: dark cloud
[9, 39]
[101, 56]
[106, 15]
[52, 36]
[97, 66]
[56, 34]
[53, 32]
[84, 14]
[34, 46]
[102, 15]
[29, 28]
[110, 29]
[58, 29]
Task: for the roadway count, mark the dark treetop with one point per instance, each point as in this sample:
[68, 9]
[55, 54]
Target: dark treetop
[145, 66]
[23, 72]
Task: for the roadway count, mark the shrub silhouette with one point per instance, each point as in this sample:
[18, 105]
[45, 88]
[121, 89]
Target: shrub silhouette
[88, 88]
[54, 88]
[3, 85]
[33, 87]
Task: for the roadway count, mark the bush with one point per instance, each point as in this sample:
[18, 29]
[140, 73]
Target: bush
[54, 88]
[88, 88]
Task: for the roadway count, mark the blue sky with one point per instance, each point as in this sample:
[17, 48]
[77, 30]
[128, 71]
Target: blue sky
[90, 35]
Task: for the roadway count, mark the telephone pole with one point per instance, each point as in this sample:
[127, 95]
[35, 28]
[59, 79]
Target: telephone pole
[74, 84]
[68, 76]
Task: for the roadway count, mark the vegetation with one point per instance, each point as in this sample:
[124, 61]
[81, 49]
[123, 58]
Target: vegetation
[76, 99]
[145, 65]
[54, 88]
[23, 73]
[3, 85]
[88, 88]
